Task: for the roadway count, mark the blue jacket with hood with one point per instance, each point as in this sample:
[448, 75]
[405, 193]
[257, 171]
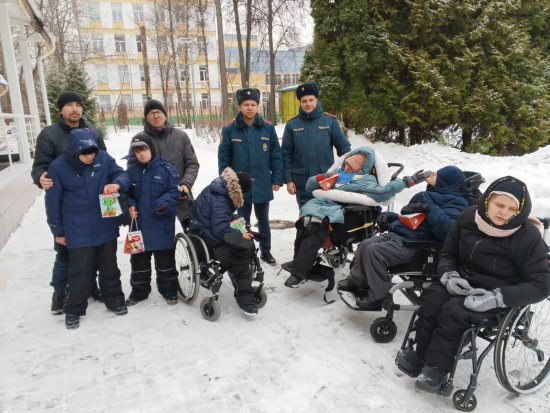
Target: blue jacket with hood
[154, 193]
[446, 200]
[72, 203]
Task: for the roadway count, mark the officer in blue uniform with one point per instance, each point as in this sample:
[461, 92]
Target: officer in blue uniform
[308, 142]
[250, 144]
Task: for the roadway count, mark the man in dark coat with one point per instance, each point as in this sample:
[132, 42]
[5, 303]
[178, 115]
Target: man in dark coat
[249, 144]
[51, 142]
[211, 217]
[441, 204]
[308, 142]
[493, 258]
[80, 176]
[152, 200]
[175, 147]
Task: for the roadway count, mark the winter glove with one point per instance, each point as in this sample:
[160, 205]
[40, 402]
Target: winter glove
[484, 302]
[162, 208]
[458, 286]
[383, 222]
[416, 178]
[414, 208]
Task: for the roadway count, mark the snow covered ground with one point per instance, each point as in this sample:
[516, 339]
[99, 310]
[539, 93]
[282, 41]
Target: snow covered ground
[299, 354]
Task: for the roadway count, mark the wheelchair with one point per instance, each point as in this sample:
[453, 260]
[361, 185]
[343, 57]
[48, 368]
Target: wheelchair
[414, 276]
[520, 338]
[196, 267]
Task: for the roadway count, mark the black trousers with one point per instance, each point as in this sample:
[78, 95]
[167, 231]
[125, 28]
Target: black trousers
[165, 268]
[442, 319]
[309, 239]
[237, 264]
[82, 262]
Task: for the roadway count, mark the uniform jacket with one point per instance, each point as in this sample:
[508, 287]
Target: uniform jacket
[214, 208]
[255, 150]
[446, 204]
[363, 183]
[307, 146]
[52, 141]
[154, 193]
[517, 263]
[174, 146]
[72, 203]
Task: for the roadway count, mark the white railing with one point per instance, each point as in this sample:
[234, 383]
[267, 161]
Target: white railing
[11, 138]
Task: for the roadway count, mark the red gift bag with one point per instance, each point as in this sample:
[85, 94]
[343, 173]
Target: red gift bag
[412, 220]
[134, 240]
[327, 183]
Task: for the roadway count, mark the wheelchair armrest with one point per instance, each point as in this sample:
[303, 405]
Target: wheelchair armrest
[357, 208]
[413, 243]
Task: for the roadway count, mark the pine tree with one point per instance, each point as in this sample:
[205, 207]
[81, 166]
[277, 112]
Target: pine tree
[77, 80]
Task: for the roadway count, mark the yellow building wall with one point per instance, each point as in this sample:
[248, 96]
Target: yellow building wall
[289, 105]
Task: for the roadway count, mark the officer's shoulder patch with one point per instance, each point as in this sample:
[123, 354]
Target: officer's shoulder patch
[330, 114]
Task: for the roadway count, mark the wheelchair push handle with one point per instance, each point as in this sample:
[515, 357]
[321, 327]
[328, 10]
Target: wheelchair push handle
[399, 167]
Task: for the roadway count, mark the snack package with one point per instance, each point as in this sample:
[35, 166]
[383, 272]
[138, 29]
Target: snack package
[239, 224]
[412, 220]
[327, 183]
[110, 207]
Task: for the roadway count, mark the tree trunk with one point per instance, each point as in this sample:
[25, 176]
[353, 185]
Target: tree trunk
[272, 112]
[221, 59]
[244, 82]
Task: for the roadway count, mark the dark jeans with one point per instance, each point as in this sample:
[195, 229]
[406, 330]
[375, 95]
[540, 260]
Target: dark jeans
[237, 264]
[262, 215]
[82, 262]
[165, 267]
[60, 272]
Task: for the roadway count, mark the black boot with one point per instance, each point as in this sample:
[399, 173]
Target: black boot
[72, 321]
[57, 303]
[409, 362]
[431, 379]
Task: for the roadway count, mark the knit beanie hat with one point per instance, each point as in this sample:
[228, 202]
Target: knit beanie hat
[449, 177]
[308, 88]
[153, 104]
[143, 140]
[356, 162]
[248, 94]
[514, 189]
[245, 182]
[68, 97]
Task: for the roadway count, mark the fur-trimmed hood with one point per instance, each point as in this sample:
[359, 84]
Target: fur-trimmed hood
[233, 187]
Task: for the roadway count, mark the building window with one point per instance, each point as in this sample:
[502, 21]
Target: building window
[138, 13]
[123, 76]
[296, 78]
[162, 46]
[102, 74]
[105, 103]
[116, 9]
[287, 79]
[138, 43]
[160, 15]
[184, 74]
[201, 47]
[120, 43]
[93, 11]
[203, 73]
[127, 99]
[144, 99]
[97, 43]
[141, 73]
[205, 100]
[180, 14]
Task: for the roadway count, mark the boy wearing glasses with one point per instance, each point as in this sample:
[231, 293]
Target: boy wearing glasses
[73, 210]
[152, 200]
[175, 147]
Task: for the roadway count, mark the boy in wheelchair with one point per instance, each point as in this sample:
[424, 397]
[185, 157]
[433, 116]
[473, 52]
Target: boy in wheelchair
[354, 176]
[493, 258]
[441, 203]
[211, 216]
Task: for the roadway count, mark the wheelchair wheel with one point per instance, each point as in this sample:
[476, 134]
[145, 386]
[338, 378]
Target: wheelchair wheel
[383, 330]
[522, 350]
[210, 309]
[261, 298]
[187, 266]
[458, 401]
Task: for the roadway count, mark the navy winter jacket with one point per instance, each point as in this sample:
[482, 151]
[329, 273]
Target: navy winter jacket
[72, 203]
[215, 207]
[307, 146]
[255, 150]
[154, 193]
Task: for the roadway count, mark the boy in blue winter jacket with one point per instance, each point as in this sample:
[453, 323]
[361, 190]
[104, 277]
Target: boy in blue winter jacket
[152, 200]
[73, 210]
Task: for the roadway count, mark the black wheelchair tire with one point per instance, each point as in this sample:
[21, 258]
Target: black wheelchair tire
[383, 330]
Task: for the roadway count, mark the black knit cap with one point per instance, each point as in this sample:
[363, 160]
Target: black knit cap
[245, 181]
[143, 140]
[248, 94]
[308, 88]
[152, 105]
[68, 97]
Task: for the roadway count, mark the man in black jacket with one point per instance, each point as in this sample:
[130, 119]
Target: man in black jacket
[50, 143]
